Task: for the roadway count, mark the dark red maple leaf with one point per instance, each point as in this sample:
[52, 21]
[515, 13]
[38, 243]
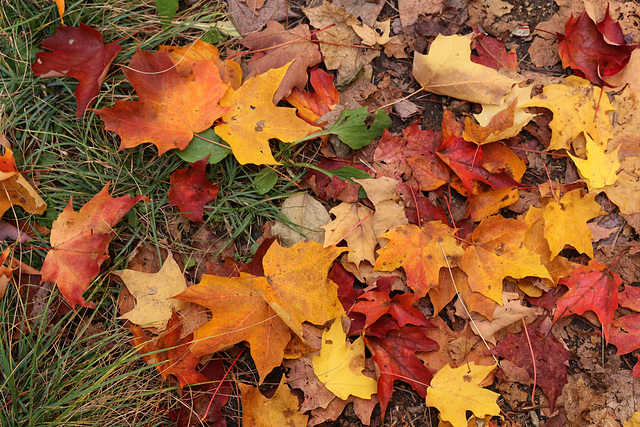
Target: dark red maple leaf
[190, 190]
[395, 359]
[375, 304]
[492, 53]
[594, 288]
[333, 188]
[313, 105]
[551, 358]
[79, 53]
[594, 52]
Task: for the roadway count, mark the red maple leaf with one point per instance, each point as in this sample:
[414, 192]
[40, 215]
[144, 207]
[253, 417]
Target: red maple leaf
[375, 304]
[313, 105]
[79, 53]
[492, 53]
[630, 298]
[190, 190]
[80, 241]
[550, 355]
[594, 288]
[625, 333]
[594, 52]
[395, 359]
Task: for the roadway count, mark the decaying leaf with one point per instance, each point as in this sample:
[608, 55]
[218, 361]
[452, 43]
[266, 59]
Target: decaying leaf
[153, 293]
[307, 217]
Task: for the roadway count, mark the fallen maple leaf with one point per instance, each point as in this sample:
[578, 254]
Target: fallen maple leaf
[395, 358]
[498, 252]
[174, 102]
[447, 70]
[593, 288]
[313, 105]
[240, 314]
[599, 168]
[152, 292]
[281, 409]
[625, 333]
[280, 47]
[170, 354]
[79, 53]
[565, 222]
[339, 366]
[429, 246]
[492, 53]
[455, 391]
[297, 286]
[594, 52]
[80, 241]
[252, 119]
[577, 107]
[551, 357]
[190, 190]
[354, 223]
[15, 190]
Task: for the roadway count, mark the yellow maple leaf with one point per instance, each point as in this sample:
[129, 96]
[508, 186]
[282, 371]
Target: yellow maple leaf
[455, 391]
[339, 365]
[252, 119]
[565, 222]
[497, 253]
[634, 421]
[153, 292]
[574, 106]
[296, 285]
[280, 410]
[353, 223]
[448, 70]
[600, 168]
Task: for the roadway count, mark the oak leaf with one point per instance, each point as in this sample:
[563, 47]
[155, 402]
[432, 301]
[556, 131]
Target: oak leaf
[174, 102]
[593, 288]
[252, 119]
[15, 190]
[80, 241]
[455, 391]
[448, 70]
[339, 366]
[190, 190]
[599, 168]
[153, 293]
[551, 357]
[565, 222]
[239, 314]
[577, 107]
[395, 357]
[594, 51]
[283, 47]
[429, 246]
[79, 53]
[497, 252]
[281, 409]
[297, 286]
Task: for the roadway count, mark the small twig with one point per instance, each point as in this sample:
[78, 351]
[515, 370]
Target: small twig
[533, 359]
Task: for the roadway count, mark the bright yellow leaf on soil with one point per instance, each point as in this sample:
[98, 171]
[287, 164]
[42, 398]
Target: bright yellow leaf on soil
[280, 410]
[297, 286]
[498, 252]
[153, 292]
[565, 223]
[253, 119]
[574, 105]
[455, 391]
[340, 365]
[448, 70]
[599, 168]
[420, 251]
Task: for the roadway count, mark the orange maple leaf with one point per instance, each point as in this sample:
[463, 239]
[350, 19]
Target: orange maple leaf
[239, 314]
[175, 101]
[79, 243]
[423, 261]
